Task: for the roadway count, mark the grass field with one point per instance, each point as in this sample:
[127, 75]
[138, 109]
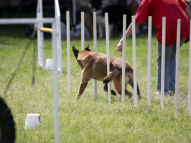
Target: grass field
[89, 120]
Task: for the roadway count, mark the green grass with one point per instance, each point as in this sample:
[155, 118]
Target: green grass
[90, 120]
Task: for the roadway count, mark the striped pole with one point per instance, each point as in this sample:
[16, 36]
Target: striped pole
[68, 50]
[123, 57]
[149, 60]
[108, 54]
[163, 60]
[177, 64]
[134, 60]
[95, 47]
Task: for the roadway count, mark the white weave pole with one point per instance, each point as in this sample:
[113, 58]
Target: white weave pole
[82, 31]
[177, 64]
[123, 57]
[68, 49]
[163, 60]
[134, 60]
[149, 60]
[108, 54]
[189, 82]
[40, 35]
[95, 47]
[55, 83]
[82, 36]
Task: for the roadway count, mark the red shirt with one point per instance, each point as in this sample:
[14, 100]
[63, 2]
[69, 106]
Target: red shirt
[172, 10]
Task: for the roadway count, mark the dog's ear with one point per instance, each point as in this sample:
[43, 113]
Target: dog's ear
[87, 48]
[75, 51]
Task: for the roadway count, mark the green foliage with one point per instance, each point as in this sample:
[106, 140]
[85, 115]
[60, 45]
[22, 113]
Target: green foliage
[90, 119]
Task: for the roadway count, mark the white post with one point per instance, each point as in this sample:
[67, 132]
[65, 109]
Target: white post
[68, 50]
[55, 75]
[40, 42]
[58, 36]
[82, 31]
[123, 57]
[95, 47]
[163, 60]
[134, 60]
[40, 36]
[82, 36]
[108, 54]
[149, 60]
[39, 7]
[177, 64]
[189, 82]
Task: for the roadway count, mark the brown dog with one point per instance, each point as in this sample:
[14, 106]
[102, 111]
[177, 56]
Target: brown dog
[94, 65]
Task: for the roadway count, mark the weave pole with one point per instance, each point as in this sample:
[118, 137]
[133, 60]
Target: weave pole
[123, 57]
[108, 54]
[55, 81]
[68, 49]
[134, 60]
[177, 64]
[82, 31]
[189, 82]
[40, 36]
[149, 61]
[82, 37]
[95, 47]
[163, 60]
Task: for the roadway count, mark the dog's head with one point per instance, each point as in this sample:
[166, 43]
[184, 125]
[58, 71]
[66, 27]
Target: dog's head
[77, 52]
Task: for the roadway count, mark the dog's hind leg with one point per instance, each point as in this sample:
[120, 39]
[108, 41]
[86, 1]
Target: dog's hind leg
[106, 89]
[132, 85]
[118, 86]
[112, 75]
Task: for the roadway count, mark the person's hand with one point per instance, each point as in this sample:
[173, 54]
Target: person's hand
[119, 46]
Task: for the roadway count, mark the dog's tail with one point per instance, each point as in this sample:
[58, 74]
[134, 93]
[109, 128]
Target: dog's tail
[112, 75]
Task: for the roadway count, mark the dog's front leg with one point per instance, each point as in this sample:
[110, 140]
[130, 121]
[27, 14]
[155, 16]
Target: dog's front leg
[81, 90]
[86, 76]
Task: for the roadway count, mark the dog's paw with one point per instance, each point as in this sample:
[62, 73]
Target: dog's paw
[130, 94]
[77, 97]
[113, 92]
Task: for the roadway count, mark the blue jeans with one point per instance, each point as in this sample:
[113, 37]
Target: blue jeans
[170, 66]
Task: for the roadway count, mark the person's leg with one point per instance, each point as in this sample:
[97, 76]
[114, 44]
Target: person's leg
[172, 67]
[168, 51]
[159, 49]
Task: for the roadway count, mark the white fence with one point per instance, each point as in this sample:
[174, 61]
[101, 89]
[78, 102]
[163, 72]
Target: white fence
[56, 45]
